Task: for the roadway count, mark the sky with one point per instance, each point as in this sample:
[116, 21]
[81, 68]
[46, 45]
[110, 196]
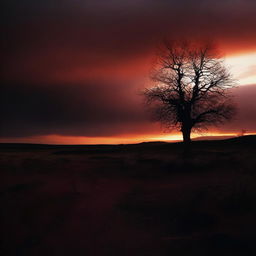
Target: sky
[73, 70]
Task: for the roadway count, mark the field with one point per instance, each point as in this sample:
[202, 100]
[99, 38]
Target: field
[144, 199]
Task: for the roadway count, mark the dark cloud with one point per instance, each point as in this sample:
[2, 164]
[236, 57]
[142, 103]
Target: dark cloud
[90, 110]
[93, 110]
[44, 38]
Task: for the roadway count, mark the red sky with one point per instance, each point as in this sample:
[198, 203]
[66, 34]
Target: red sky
[73, 72]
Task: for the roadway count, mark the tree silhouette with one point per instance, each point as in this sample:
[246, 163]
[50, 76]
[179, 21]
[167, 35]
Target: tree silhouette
[191, 88]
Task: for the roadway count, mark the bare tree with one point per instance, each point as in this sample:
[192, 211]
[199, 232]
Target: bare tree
[191, 88]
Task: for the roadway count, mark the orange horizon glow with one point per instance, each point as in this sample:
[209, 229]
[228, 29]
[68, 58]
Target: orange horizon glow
[55, 139]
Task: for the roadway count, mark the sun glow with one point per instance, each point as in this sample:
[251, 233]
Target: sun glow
[243, 68]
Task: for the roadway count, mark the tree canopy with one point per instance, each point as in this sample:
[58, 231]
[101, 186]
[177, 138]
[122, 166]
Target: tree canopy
[191, 88]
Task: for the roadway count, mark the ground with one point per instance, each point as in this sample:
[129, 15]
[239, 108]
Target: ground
[144, 199]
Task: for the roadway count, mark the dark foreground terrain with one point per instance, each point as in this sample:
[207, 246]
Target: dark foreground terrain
[140, 199]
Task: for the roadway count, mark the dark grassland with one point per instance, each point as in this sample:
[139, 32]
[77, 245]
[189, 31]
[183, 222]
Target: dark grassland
[142, 199]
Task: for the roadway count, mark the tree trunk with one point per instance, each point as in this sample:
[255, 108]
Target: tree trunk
[186, 141]
[186, 135]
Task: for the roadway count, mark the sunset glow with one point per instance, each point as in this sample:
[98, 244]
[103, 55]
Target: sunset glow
[243, 67]
[126, 139]
[74, 75]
